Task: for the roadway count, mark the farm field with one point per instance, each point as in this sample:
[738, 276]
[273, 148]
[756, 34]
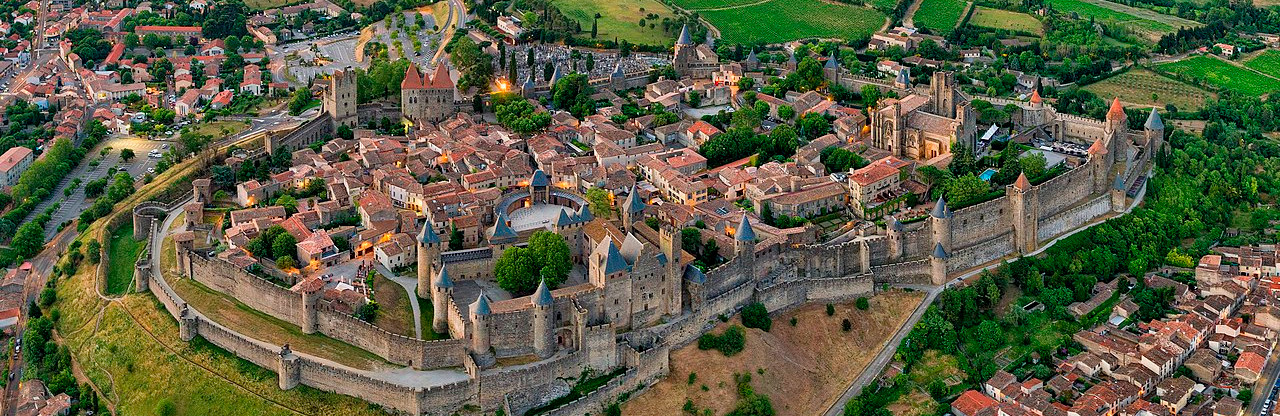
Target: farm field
[884, 4]
[821, 359]
[620, 19]
[1004, 19]
[711, 4]
[1217, 73]
[1147, 23]
[1136, 87]
[1267, 62]
[939, 15]
[778, 21]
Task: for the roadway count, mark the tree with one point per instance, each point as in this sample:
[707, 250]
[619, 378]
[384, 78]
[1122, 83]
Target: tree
[547, 257]
[455, 238]
[289, 203]
[301, 100]
[286, 262]
[93, 251]
[284, 245]
[863, 304]
[989, 336]
[966, 189]
[126, 154]
[519, 115]
[814, 125]
[228, 20]
[785, 112]
[599, 203]
[594, 28]
[962, 161]
[573, 94]
[28, 240]
[756, 316]
[1033, 164]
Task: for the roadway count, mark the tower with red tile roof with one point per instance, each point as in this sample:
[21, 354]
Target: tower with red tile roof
[427, 99]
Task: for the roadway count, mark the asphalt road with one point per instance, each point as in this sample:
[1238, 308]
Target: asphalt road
[71, 206]
[42, 265]
[1265, 388]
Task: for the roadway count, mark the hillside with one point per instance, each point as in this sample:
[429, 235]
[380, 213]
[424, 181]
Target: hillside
[804, 366]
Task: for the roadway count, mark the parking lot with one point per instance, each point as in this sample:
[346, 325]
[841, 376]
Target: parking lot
[72, 206]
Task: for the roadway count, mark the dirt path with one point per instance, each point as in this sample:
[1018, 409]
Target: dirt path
[967, 8]
[908, 18]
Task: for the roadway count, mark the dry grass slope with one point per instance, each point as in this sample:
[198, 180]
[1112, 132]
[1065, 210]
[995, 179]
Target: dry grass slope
[805, 366]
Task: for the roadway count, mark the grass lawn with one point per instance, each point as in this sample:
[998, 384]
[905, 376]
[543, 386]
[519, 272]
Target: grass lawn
[1268, 62]
[1004, 19]
[621, 19]
[935, 366]
[711, 4]
[1220, 74]
[269, 4]
[1147, 23]
[780, 21]
[940, 15]
[1137, 86]
[395, 314]
[215, 128]
[122, 252]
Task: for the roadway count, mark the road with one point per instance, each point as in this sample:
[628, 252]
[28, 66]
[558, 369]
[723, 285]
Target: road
[1265, 389]
[42, 266]
[886, 354]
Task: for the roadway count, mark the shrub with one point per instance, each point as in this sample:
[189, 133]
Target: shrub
[730, 343]
[831, 309]
[793, 321]
[845, 325]
[756, 316]
[166, 408]
[863, 304]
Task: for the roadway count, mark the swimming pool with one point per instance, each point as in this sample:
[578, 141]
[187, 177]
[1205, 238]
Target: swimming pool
[987, 174]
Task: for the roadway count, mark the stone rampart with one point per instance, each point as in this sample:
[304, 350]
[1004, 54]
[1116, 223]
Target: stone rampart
[993, 248]
[792, 293]
[1065, 190]
[914, 271]
[256, 292]
[973, 224]
[1073, 217]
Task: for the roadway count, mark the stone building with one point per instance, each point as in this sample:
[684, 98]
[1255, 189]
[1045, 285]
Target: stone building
[924, 126]
[690, 60]
[426, 99]
[340, 98]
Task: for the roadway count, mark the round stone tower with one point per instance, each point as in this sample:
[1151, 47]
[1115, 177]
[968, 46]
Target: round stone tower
[543, 321]
[428, 254]
[441, 290]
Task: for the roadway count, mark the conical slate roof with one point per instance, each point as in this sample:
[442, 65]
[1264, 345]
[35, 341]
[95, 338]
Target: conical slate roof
[792, 58]
[613, 261]
[832, 63]
[542, 296]
[481, 306]
[752, 58]
[939, 252]
[427, 235]
[904, 76]
[442, 279]
[1153, 121]
[564, 219]
[634, 203]
[584, 214]
[539, 178]
[684, 38]
[1097, 148]
[744, 231]
[940, 209]
[1035, 97]
[617, 70]
[500, 228]
[892, 223]
[556, 75]
[528, 82]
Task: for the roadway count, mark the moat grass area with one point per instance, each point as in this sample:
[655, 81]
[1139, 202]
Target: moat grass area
[621, 19]
[1267, 62]
[1149, 89]
[940, 15]
[1220, 74]
[122, 252]
[1004, 19]
[244, 319]
[395, 314]
[802, 368]
[1147, 23]
[426, 314]
[130, 350]
[777, 21]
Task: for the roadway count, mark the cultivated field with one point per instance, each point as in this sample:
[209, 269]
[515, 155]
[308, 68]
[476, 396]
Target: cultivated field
[1144, 22]
[1136, 87]
[711, 4]
[778, 21]
[1267, 62]
[621, 19]
[1216, 73]
[802, 368]
[1004, 19]
[940, 15]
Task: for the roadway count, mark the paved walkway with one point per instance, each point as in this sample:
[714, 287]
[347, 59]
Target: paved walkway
[410, 286]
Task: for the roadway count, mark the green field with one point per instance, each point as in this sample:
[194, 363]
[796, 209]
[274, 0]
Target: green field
[1144, 22]
[1136, 87]
[1267, 62]
[940, 15]
[122, 252]
[621, 19]
[710, 4]
[1219, 74]
[1004, 19]
[780, 21]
